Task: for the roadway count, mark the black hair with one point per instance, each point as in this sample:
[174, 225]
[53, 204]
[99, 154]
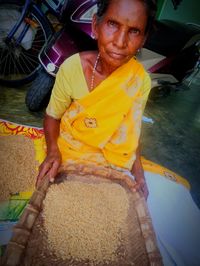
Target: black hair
[151, 8]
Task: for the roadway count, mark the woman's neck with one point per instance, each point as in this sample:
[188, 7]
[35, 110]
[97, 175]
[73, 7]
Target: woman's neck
[103, 68]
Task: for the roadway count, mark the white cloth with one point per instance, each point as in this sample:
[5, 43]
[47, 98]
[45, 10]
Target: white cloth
[176, 221]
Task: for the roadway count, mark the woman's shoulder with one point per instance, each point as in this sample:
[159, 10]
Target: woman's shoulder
[79, 60]
[71, 62]
[71, 68]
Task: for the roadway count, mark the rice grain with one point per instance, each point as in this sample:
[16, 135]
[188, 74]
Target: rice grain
[18, 168]
[84, 221]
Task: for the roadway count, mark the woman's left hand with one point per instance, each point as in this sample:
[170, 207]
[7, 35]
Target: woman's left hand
[141, 187]
[138, 172]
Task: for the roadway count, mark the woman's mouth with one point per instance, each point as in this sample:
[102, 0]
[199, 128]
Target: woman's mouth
[117, 56]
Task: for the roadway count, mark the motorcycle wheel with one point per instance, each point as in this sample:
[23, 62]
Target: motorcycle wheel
[19, 62]
[39, 92]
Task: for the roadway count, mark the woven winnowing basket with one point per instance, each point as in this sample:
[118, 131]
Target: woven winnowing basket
[28, 245]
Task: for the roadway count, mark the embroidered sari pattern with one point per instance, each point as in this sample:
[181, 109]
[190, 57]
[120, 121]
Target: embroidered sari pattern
[104, 126]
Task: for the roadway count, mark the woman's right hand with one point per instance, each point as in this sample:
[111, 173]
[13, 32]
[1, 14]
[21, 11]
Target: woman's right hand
[49, 166]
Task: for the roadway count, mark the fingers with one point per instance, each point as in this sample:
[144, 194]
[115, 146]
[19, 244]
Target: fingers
[43, 170]
[54, 170]
[144, 191]
[130, 182]
[139, 186]
[48, 167]
[142, 188]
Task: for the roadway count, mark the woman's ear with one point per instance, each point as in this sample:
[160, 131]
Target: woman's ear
[94, 33]
[145, 38]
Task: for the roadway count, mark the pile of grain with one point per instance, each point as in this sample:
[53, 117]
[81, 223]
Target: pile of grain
[85, 221]
[18, 168]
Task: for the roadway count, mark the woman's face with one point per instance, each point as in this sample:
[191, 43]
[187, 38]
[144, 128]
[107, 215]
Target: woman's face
[121, 31]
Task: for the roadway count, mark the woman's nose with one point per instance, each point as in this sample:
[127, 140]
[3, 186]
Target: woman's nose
[120, 39]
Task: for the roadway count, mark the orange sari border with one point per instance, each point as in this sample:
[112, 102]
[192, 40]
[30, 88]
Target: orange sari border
[158, 169]
[11, 128]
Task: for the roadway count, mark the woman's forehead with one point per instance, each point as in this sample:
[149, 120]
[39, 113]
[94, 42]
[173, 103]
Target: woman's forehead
[130, 10]
[126, 7]
[127, 3]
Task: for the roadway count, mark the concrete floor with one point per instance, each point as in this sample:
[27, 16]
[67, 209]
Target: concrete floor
[173, 140]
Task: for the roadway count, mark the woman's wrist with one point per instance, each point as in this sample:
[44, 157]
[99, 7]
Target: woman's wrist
[53, 149]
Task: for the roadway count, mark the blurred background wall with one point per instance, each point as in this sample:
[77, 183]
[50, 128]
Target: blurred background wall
[186, 10]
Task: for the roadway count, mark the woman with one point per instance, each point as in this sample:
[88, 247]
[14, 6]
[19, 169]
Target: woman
[95, 113]
[120, 28]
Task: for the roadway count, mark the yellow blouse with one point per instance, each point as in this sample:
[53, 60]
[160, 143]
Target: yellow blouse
[71, 85]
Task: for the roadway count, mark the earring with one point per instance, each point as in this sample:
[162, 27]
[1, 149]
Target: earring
[93, 36]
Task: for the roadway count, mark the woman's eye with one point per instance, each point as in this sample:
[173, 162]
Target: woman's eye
[134, 31]
[112, 23]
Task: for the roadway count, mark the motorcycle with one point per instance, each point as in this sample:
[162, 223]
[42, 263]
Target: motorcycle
[170, 53]
[24, 30]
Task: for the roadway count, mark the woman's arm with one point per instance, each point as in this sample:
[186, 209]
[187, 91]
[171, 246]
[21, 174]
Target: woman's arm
[138, 172]
[53, 159]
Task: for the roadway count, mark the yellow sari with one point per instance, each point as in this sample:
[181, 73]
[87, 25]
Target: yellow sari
[104, 126]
